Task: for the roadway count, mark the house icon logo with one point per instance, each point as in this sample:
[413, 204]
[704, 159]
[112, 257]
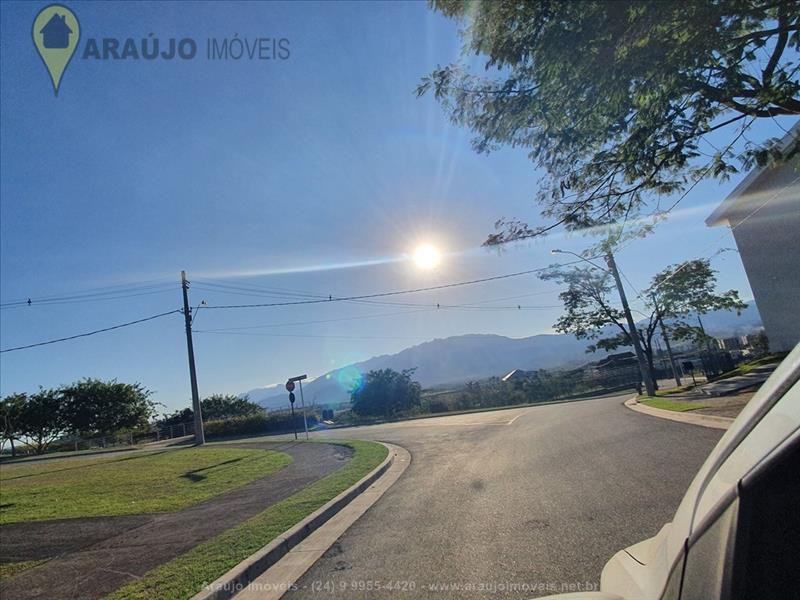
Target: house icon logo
[56, 33]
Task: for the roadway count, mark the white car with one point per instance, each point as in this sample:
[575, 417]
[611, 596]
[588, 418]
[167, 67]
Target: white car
[736, 533]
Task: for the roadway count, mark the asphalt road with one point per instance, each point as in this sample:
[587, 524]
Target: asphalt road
[511, 504]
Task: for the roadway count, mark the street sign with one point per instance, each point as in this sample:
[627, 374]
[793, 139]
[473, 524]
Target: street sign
[290, 386]
[291, 397]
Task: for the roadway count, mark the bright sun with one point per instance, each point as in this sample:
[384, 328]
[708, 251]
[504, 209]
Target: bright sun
[427, 256]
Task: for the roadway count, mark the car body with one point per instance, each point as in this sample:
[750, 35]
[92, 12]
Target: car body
[736, 533]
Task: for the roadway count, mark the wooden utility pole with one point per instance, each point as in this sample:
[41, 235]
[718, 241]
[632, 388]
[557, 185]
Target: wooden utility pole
[634, 334]
[199, 434]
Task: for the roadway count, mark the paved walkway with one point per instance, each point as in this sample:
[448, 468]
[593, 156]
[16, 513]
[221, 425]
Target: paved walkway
[733, 385]
[91, 557]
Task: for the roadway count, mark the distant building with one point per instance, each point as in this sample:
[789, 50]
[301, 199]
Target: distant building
[764, 215]
[730, 343]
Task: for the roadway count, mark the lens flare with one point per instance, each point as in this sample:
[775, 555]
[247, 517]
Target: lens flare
[350, 379]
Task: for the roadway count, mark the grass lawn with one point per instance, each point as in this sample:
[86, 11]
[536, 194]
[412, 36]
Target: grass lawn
[676, 405]
[674, 390]
[162, 481]
[8, 570]
[186, 575]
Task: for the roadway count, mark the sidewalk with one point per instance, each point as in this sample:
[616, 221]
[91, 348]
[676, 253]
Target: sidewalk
[732, 385]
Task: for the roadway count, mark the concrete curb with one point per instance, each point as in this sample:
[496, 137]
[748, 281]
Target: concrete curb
[681, 417]
[229, 584]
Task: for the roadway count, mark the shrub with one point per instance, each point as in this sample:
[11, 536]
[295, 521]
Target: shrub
[256, 424]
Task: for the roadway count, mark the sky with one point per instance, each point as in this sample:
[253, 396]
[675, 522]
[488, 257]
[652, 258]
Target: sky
[265, 180]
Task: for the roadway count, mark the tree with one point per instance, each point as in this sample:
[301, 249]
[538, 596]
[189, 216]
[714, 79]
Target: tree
[11, 408]
[226, 406]
[616, 101]
[42, 419]
[590, 314]
[686, 290]
[386, 392]
[675, 293]
[95, 407]
[176, 418]
[216, 406]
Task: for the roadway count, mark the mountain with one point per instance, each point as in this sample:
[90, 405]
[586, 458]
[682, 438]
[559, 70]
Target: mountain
[723, 323]
[475, 356]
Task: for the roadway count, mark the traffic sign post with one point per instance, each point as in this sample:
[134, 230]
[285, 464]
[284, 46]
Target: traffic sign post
[290, 382]
[291, 404]
[303, 405]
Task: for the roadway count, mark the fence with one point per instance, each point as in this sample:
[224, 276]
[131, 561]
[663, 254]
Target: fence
[129, 438]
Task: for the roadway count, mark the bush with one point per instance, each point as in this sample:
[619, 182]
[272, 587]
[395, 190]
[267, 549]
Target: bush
[256, 424]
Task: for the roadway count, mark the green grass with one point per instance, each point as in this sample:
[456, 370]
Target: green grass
[164, 481]
[674, 405]
[189, 573]
[9, 570]
[674, 390]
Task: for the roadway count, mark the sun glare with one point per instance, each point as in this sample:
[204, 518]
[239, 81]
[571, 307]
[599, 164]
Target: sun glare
[427, 256]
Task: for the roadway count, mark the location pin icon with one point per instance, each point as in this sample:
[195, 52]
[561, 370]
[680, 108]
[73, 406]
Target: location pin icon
[56, 33]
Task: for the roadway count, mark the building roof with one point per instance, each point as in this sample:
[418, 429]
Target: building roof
[56, 24]
[739, 200]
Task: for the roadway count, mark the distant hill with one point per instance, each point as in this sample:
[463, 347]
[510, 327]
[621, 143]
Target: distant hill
[476, 356]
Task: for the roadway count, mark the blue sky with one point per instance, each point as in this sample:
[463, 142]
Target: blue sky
[277, 174]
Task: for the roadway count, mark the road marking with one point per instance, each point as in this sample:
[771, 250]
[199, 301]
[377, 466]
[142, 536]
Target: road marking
[514, 419]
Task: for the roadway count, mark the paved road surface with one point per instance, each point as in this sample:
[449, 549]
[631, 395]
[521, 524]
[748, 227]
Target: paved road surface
[538, 497]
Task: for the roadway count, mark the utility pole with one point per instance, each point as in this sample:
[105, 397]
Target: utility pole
[666, 341]
[634, 334]
[199, 435]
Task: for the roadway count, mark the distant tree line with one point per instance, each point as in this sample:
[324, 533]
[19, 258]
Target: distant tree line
[214, 408]
[86, 408]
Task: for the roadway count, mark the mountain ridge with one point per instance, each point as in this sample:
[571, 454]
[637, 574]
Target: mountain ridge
[473, 356]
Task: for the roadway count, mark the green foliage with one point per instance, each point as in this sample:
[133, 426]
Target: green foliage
[386, 393]
[95, 407]
[143, 483]
[687, 289]
[615, 101]
[184, 415]
[226, 406]
[11, 408]
[673, 295]
[215, 407]
[259, 423]
[42, 419]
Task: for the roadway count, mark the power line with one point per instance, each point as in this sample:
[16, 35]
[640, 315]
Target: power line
[332, 298]
[105, 293]
[730, 229]
[320, 336]
[87, 334]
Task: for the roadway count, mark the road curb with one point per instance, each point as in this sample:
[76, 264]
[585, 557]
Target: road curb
[236, 579]
[690, 418]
